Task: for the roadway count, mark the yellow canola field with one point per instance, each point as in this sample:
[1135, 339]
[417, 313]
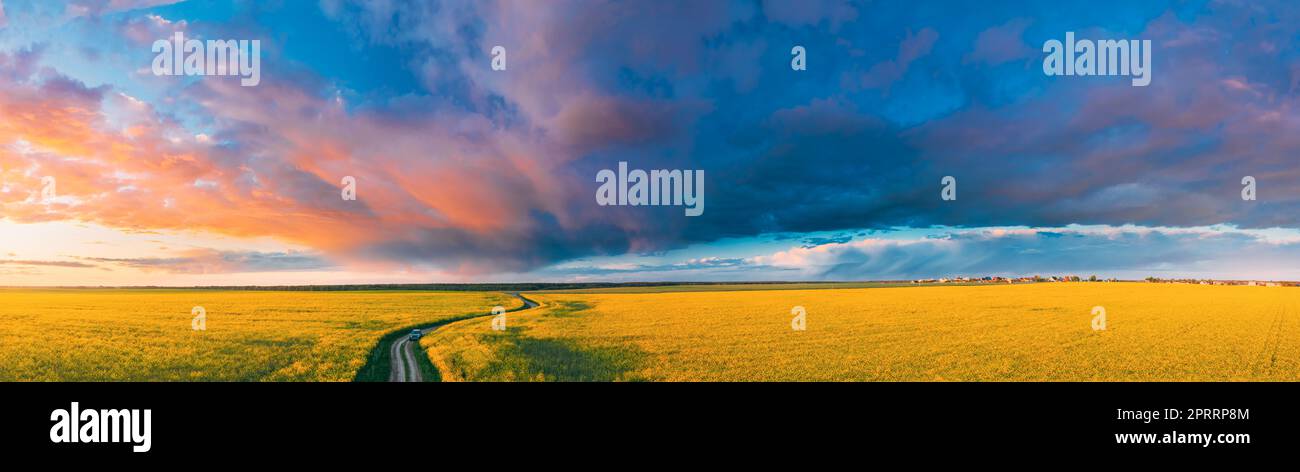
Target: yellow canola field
[146, 335]
[1030, 332]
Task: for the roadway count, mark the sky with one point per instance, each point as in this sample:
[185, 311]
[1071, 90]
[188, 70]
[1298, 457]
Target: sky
[465, 173]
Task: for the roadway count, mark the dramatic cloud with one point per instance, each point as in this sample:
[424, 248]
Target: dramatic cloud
[465, 170]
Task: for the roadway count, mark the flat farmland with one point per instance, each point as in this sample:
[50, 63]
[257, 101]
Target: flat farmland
[1030, 332]
[148, 335]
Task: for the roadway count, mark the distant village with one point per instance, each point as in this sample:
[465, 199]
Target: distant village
[1093, 278]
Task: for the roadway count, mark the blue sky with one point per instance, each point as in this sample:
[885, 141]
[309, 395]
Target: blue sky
[467, 173]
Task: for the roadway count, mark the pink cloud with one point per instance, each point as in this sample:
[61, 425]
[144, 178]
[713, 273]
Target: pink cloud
[911, 48]
[590, 122]
[149, 28]
[1001, 44]
[99, 7]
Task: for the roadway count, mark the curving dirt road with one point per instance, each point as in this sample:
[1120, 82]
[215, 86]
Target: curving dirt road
[406, 367]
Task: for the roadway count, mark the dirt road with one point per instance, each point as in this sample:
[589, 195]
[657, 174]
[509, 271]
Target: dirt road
[406, 366]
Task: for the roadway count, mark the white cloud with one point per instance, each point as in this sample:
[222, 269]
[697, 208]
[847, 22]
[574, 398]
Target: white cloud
[1122, 251]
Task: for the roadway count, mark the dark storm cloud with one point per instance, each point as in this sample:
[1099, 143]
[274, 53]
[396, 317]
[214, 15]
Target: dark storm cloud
[896, 97]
